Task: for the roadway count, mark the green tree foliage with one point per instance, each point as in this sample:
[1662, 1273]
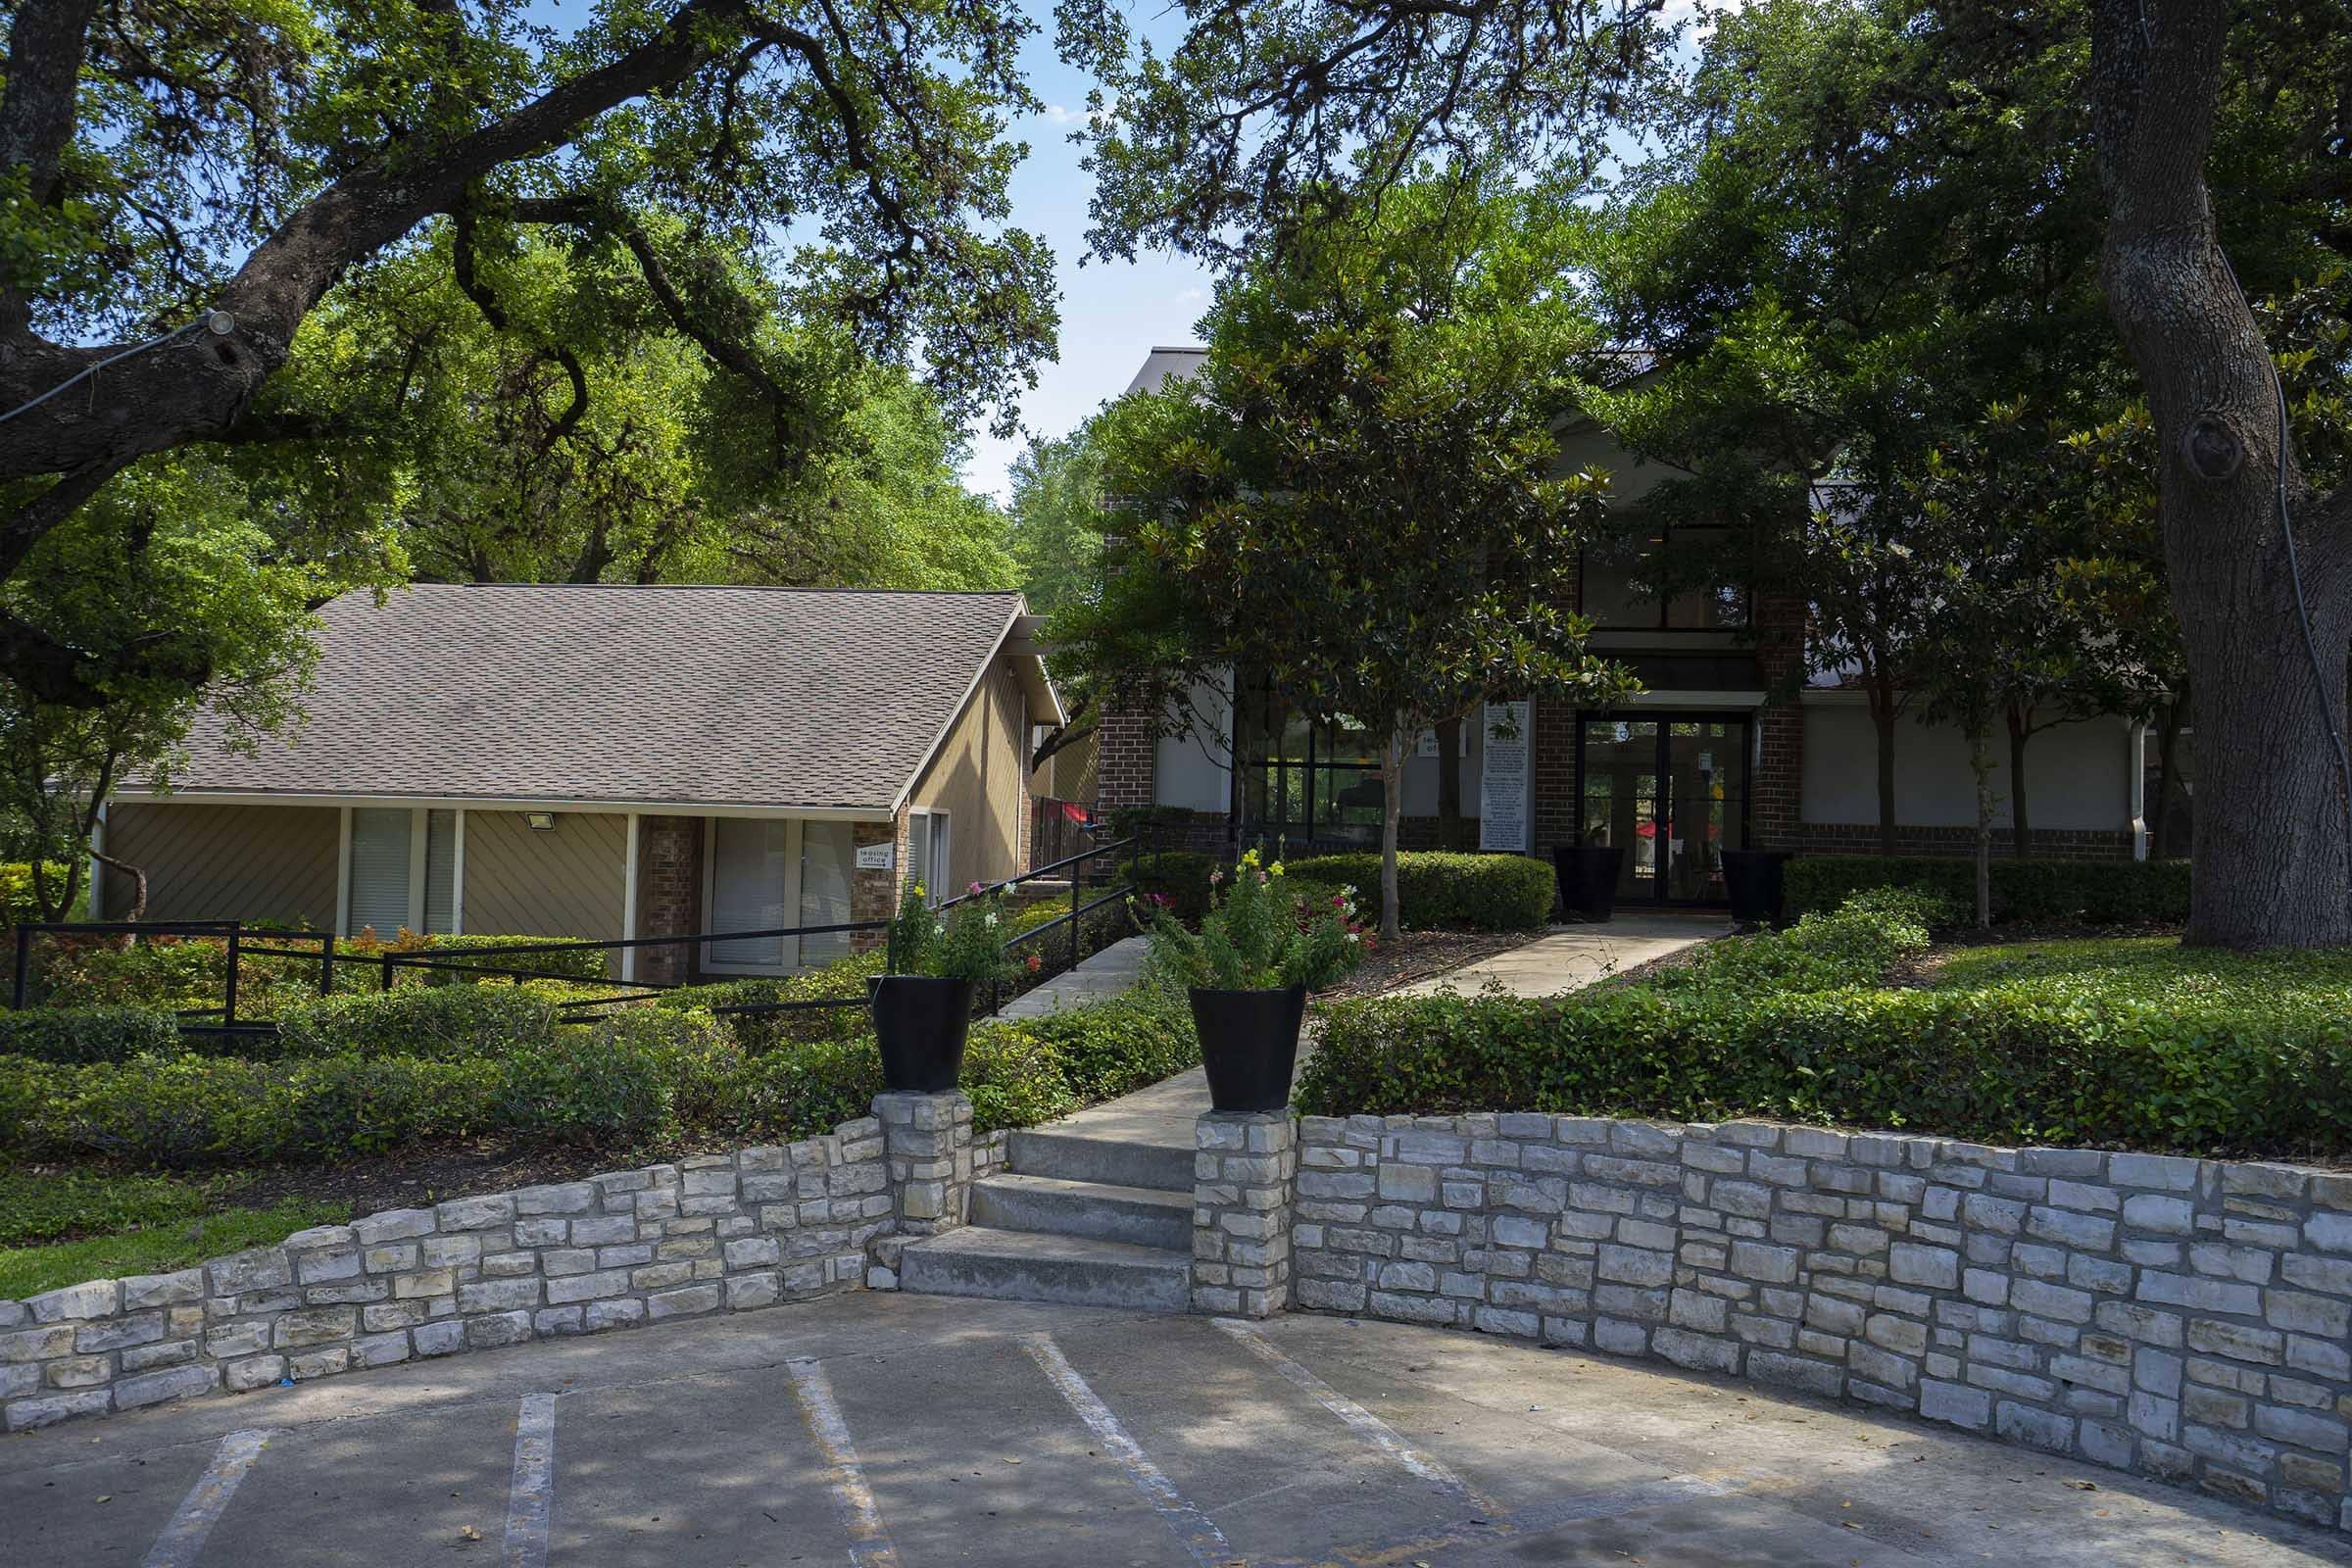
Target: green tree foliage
[173, 544]
[1359, 490]
[520, 417]
[1057, 520]
[777, 185]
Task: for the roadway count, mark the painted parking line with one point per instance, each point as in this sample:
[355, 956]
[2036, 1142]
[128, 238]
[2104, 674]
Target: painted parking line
[530, 1495]
[853, 1500]
[1371, 1427]
[183, 1538]
[1192, 1528]
[1464, 1534]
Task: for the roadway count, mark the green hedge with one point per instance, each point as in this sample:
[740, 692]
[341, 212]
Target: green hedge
[573, 963]
[86, 1034]
[2099, 893]
[2125, 1046]
[434, 1023]
[645, 1074]
[760, 1031]
[173, 972]
[1440, 888]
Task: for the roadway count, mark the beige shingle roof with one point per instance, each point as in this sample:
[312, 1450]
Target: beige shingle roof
[717, 696]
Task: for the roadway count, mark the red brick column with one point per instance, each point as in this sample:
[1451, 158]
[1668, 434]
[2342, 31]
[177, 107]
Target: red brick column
[874, 894]
[1552, 755]
[1127, 762]
[670, 893]
[1775, 807]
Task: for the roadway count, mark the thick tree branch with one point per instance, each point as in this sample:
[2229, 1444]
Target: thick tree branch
[45, 45]
[197, 387]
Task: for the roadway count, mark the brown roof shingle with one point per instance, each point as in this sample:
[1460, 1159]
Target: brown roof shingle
[558, 691]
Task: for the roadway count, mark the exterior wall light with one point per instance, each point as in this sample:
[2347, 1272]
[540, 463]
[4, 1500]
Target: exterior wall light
[540, 821]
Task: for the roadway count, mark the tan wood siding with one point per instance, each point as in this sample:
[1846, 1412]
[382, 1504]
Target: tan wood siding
[981, 779]
[226, 863]
[565, 883]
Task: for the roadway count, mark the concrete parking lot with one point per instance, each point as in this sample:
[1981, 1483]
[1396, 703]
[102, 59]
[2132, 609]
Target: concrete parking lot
[884, 1430]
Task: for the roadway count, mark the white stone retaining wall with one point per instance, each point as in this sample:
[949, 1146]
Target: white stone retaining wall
[721, 1232]
[2187, 1319]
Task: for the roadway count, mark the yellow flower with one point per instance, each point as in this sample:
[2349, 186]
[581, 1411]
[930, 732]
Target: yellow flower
[1250, 859]
[1276, 869]
[918, 891]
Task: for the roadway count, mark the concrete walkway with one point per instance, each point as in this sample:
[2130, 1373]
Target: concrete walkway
[1114, 969]
[1573, 957]
[1563, 960]
[919, 1432]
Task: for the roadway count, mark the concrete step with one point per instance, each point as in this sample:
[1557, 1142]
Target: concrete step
[1025, 1266]
[1074, 1158]
[1141, 1216]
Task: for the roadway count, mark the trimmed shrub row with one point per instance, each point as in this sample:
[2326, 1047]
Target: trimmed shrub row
[1435, 888]
[1794, 1027]
[191, 971]
[2030, 892]
[1438, 888]
[1983, 1066]
[645, 1074]
[87, 1034]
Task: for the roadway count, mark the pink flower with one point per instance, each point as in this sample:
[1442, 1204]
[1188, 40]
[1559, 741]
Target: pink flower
[973, 888]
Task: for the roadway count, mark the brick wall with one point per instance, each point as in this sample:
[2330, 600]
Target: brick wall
[670, 893]
[1127, 762]
[2182, 1318]
[1776, 791]
[874, 894]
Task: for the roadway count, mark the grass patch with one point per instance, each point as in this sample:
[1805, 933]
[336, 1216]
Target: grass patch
[167, 1238]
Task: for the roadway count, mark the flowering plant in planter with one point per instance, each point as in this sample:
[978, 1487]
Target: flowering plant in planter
[1258, 934]
[923, 1007]
[1249, 968]
[965, 943]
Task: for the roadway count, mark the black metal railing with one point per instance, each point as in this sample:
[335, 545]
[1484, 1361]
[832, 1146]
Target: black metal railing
[243, 942]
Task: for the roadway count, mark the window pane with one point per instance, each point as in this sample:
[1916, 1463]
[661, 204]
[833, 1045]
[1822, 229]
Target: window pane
[1348, 804]
[380, 871]
[750, 858]
[825, 857]
[918, 855]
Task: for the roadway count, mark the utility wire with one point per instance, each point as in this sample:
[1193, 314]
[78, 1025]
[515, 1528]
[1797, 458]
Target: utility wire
[220, 322]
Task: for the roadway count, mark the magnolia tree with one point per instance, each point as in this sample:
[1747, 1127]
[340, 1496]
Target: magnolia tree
[1360, 490]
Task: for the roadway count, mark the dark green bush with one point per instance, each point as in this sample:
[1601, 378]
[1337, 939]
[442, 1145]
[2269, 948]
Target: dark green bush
[437, 1023]
[2137, 1044]
[647, 1074]
[1181, 876]
[87, 1034]
[1441, 887]
[2031, 892]
[758, 1032]
[571, 964]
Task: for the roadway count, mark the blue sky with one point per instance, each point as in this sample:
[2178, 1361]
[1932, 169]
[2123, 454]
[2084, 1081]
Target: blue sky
[1113, 313]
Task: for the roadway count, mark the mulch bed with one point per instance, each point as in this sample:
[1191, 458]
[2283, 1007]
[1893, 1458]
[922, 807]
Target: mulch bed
[1422, 955]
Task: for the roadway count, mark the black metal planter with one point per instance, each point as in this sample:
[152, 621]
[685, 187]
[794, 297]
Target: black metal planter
[1587, 875]
[921, 1022]
[1249, 1043]
[1752, 879]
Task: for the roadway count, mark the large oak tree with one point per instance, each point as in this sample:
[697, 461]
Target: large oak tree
[165, 159]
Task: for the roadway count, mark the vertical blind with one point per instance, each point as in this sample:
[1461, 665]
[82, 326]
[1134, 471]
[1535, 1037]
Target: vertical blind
[380, 871]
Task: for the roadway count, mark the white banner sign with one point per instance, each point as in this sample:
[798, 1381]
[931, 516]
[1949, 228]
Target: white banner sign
[877, 857]
[1503, 779]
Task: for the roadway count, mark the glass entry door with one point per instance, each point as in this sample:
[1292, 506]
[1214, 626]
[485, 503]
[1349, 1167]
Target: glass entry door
[1673, 792]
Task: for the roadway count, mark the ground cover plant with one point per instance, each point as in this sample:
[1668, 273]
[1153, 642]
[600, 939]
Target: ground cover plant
[2116, 1043]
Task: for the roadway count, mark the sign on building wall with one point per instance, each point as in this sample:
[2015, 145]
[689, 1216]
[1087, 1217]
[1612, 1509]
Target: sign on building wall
[1503, 779]
[877, 857]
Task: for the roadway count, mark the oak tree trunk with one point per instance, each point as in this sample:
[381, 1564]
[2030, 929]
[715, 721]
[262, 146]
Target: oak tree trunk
[1980, 762]
[2169, 793]
[2269, 858]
